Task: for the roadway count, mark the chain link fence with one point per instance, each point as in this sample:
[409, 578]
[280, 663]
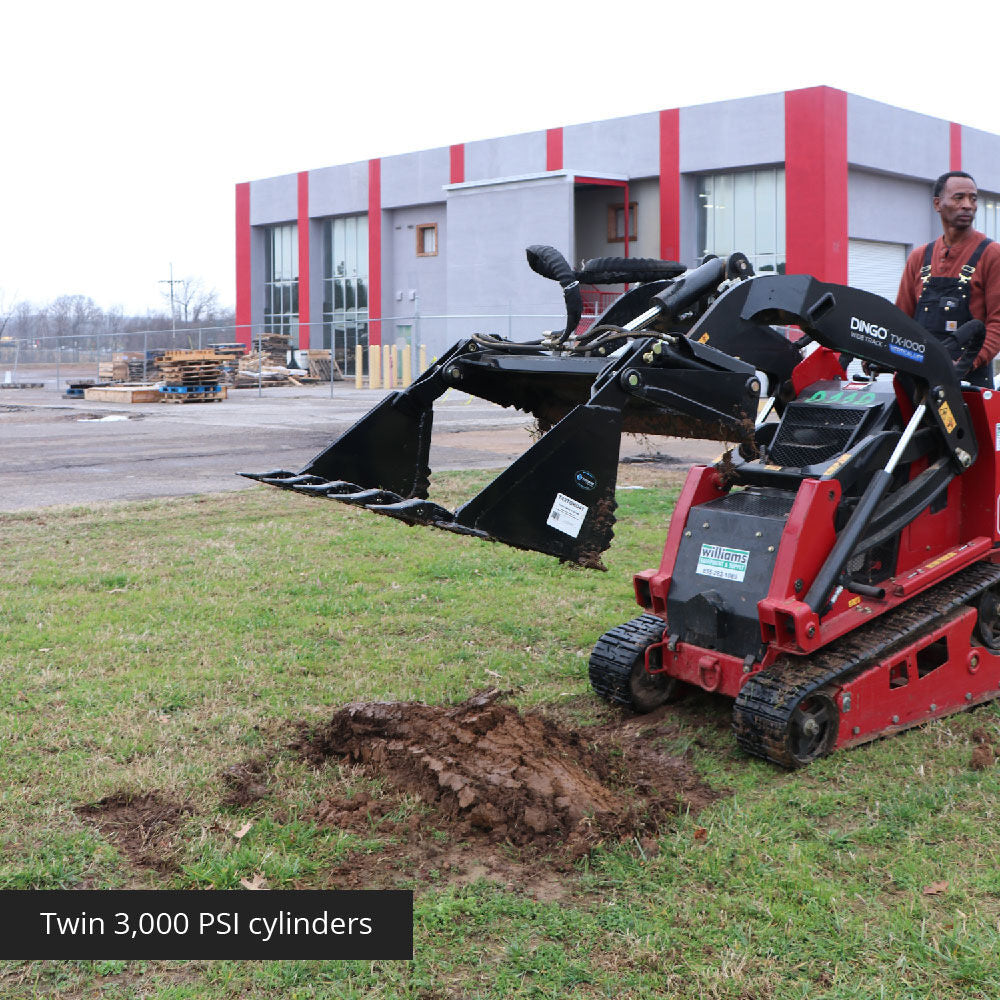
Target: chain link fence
[427, 336]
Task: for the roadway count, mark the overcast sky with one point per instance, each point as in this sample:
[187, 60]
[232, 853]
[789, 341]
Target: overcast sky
[126, 126]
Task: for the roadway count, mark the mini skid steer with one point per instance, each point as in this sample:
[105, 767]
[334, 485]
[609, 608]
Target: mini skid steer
[836, 573]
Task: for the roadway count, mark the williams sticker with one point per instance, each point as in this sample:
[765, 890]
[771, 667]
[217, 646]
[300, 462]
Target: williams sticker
[723, 562]
[567, 515]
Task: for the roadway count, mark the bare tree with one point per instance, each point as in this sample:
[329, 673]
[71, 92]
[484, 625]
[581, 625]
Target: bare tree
[7, 306]
[193, 301]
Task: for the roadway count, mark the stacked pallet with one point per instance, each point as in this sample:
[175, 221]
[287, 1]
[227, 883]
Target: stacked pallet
[322, 366]
[275, 347]
[130, 367]
[122, 368]
[191, 376]
[142, 369]
[232, 354]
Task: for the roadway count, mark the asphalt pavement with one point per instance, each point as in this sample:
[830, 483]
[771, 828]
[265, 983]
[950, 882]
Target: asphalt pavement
[59, 451]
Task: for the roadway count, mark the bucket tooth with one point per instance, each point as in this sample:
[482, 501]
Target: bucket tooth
[327, 488]
[424, 512]
[313, 489]
[271, 477]
[366, 497]
[291, 482]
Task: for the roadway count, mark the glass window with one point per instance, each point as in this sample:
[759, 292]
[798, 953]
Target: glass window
[427, 240]
[345, 288]
[744, 210]
[988, 215]
[616, 223]
[281, 279]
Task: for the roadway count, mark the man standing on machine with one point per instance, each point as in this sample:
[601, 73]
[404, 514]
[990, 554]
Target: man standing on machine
[955, 280]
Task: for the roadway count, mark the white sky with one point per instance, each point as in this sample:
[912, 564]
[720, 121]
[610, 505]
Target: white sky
[124, 127]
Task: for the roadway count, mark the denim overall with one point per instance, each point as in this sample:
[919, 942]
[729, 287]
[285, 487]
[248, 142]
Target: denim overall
[943, 307]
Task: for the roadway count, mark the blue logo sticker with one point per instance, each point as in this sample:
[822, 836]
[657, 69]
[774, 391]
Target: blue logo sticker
[586, 480]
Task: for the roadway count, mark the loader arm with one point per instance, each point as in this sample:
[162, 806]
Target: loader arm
[849, 321]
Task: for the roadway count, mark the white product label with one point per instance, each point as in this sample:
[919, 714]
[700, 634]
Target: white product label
[567, 515]
[998, 437]
[723, 562]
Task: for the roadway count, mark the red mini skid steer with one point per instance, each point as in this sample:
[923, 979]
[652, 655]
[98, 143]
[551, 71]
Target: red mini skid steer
[836, 573]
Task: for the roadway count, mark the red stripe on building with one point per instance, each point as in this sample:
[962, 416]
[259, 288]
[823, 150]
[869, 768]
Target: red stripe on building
[243, 283]
[375, 252]
[670, 184]
[303, 231]
[554, 149]
[955, 152]
[457, 173]
[816, 183]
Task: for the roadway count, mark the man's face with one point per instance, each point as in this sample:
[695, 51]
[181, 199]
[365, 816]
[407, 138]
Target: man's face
[957, 202]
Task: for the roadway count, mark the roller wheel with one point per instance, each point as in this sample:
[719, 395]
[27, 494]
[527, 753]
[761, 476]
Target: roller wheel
[617, 666]
[649, 691]
[812, 729]
[988, 623]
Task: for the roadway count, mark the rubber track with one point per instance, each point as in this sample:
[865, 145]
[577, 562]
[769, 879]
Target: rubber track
[764, 706]
[615, 653]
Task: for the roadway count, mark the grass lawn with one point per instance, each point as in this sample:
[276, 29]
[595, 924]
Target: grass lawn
[148, 649]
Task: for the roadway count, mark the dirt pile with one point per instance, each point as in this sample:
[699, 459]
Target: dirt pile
[984, 754]
[141, 826]
[489, 770]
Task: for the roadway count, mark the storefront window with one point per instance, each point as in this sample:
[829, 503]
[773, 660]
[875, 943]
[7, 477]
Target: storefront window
[281, 280]
[345, 288]
[744, 211]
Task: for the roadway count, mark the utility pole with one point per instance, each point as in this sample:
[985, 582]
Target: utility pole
[173, 312]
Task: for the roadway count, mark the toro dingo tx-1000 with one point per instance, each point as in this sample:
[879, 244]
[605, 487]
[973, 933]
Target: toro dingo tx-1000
[836, 573]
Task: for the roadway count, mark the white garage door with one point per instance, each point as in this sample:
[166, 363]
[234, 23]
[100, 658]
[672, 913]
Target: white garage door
[875, 267]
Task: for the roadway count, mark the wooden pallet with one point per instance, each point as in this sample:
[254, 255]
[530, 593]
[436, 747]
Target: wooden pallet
[217, 396]
[122, 394]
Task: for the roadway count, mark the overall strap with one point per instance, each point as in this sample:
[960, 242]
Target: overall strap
[969, 269]
[925, 270]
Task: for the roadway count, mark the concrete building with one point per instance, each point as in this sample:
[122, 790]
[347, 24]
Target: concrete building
[427, 247]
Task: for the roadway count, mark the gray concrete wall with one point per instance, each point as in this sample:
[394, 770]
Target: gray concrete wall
[274, 200]
[890, 209]
[406, 273]
[489, 227]
[730, 134]
[622, 146]
[882, 137]
[981, 158]
[415, 178]
[340, 190]
[510, 156]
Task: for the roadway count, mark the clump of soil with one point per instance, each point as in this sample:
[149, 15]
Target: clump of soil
[140, 826]
[489, 771]
[246, 783]
[984, 754]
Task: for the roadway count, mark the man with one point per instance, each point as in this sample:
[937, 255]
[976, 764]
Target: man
[956, 278]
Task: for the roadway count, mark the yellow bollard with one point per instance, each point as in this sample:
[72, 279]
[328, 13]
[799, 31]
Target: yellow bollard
[386, 372]
[374, 368]
[407, 365]
[394, 365]
[423, 358]
[359, 361]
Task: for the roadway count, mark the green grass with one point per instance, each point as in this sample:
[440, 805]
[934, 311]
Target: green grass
[149, 646]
